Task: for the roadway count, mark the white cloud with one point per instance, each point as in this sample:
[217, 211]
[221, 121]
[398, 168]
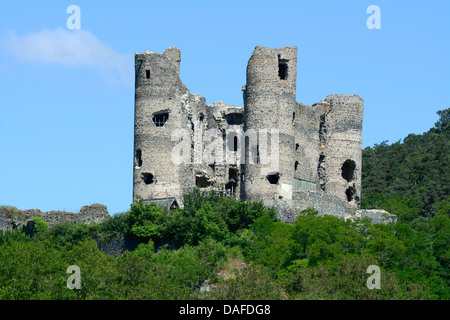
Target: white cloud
[77, 48]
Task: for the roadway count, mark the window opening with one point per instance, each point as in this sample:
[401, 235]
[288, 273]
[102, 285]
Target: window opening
[148, 178]
[273, 178]
[282, 68]
[160, 119]
[350, 193]
[348, 170]
[139, 157]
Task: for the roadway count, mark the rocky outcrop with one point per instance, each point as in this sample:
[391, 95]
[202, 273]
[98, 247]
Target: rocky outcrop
[376, 215]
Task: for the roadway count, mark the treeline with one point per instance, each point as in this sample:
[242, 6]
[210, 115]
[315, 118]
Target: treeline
[222, 248]
[410, 178]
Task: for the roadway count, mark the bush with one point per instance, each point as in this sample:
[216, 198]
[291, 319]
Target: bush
[211, 216]
[144, 220]
[253, 283]
[40, 225]
[67, 234]
[346, 280]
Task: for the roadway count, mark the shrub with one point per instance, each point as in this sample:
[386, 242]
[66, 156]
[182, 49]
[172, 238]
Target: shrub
[144, 220]
[40, 225]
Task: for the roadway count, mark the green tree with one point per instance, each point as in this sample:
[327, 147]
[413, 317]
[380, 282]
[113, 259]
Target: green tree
[443, 123]
[40, 225]
[346, 280]
[32, 270]
[253, 283]
[317, 238]
[144, 219]
[97, 271]
[415, 168]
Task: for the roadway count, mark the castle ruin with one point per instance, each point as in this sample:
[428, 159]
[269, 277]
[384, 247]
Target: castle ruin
[13, 219]
[287, 154]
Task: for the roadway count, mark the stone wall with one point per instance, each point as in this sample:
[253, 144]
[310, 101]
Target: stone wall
[307, 142]
[11, 218]
[325, 204]
[117, 245]
[376, 215]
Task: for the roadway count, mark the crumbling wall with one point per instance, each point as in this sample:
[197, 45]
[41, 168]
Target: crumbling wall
[159, 91]
[325, 204]
[117, 244]
[224, 124]
[341, 148]
[11, 218]
[307, 143]
[94, 213]
[227, 121]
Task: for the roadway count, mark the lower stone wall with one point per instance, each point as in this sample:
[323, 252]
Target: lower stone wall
[117, 245]
[325, 204]
[377, 215]
[301, 200]
[11, 218]
[320, 201]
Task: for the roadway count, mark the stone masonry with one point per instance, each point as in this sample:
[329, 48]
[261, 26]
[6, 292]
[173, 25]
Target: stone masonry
[274, 149]
[11, 218]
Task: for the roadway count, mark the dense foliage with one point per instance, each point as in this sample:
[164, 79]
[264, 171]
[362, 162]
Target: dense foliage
[221, 248]
[409, 178]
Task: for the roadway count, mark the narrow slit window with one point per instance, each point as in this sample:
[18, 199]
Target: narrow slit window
[232, 141]
[160, 119]
[138, 158]
[282, 71]
[147, 74]
[282, 68]
[255, 154]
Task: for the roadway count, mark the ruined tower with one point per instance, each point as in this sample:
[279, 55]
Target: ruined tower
[158, 113]
[340, 152]
[269, 103]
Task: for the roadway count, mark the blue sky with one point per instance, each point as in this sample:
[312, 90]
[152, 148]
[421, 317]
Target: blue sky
[67, 96]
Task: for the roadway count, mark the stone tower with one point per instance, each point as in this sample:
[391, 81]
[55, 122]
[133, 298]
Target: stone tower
[269, 103]
[158, 113]
[340, 152]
